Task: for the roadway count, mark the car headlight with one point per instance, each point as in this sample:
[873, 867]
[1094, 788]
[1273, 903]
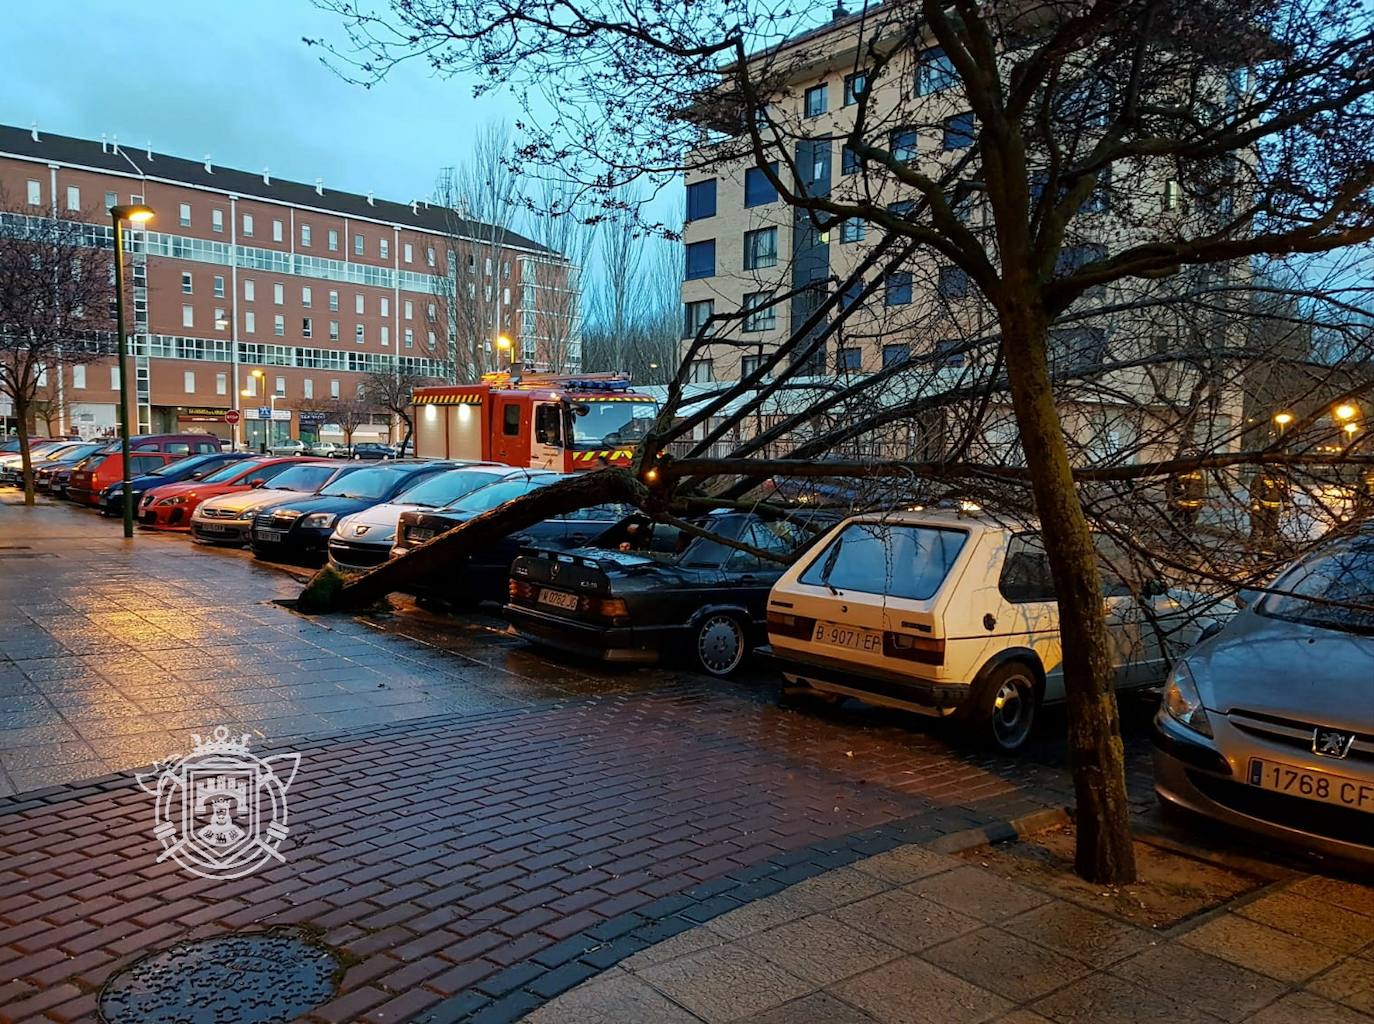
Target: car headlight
[319, 520]
[178, 500]
[1183, 702]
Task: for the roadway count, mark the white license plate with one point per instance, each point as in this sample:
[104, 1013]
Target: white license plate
[420, 534]
[1341, 790]
[847, 636]
[270, 536]
[568, 602]
[212, 527]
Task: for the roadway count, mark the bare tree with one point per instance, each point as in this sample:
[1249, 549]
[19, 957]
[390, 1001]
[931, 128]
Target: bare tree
[348, 412]
[564, 222]
[55, 295]
[393, 392]
[1218, 136]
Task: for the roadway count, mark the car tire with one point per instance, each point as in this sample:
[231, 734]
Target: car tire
[720, 643]
[1005, 708]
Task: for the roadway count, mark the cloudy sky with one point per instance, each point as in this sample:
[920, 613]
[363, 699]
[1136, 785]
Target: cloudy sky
[232, 78]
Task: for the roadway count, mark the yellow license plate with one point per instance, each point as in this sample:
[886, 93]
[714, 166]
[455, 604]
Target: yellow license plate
[1340, 790]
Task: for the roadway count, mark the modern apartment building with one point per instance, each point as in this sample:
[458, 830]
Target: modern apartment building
[290, 292]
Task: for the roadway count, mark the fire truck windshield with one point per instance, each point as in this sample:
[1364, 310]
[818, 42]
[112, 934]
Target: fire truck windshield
[608, 423]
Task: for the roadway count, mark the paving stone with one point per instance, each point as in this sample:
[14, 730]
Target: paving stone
[1305, 1008]
[1312, 919]
[820, 949]
[613, 998]
[1106, 999]
[979, 893]
[905, 863]
[682, 944]
[1006, 964]
[906, 919]
[1221, 988]
[1094, 938]
[1349, 895]
[724, 983]
[1260, 948]
[1350, 982]
[817, 1008]
[911, 991]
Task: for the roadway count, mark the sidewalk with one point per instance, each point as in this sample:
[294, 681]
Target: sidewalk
[913, 937]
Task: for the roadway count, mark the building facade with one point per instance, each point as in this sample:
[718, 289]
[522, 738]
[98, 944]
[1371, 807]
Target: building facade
[275, 298]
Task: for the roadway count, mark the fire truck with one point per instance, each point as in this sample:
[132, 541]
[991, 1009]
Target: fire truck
[544, 421]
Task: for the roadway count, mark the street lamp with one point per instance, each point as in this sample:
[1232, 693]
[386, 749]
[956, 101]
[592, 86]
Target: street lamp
[1344, 412]
[1283, 419]
[136, 214]
[271, 408]
[504, 344]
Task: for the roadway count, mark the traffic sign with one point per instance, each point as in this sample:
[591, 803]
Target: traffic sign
[264, 412]
[231, 417]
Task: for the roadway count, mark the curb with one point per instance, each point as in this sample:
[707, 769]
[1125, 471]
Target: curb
[1002, 831]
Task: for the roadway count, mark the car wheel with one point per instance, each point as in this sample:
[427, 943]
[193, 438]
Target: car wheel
[1006, 708]
[720, 643]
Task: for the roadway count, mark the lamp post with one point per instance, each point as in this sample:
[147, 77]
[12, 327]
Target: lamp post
[503, 344]
[136, 214]
[272, 405]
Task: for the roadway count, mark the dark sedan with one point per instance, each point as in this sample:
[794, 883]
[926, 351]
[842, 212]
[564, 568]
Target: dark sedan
[298, 530]
[111, 500]
[486, 574]
[648, 589]
[371, 451]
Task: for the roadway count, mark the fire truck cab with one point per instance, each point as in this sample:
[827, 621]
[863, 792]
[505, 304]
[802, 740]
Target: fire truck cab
[543, 421]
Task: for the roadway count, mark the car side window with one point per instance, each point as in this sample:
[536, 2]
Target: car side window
[178, 448]
[139, 464]
[548, 420]
[756, 535]
[510, 419]
[146, 446]
[1113, 565]
[205, 447]
[1026, 571]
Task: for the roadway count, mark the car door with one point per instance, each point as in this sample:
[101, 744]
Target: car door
[748, 576]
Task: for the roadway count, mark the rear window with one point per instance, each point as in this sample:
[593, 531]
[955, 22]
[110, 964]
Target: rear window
[93, 463]
[894, 559]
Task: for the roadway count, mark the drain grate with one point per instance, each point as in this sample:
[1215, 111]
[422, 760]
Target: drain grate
[247, 979]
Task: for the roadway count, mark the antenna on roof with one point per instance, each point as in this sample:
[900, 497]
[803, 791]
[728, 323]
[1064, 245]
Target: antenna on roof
[369, 200]
[415, 207]
[319, 186]
[103, 148]
[208, 168]
[150, 149]
[33, 130]
[114, 144]
[266, 176]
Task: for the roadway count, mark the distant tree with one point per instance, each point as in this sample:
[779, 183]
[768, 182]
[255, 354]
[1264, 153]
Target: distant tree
[561, 220]
[392, 392]
[55, 295]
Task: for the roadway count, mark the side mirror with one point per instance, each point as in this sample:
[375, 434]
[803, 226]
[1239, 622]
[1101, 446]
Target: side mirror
[1246, 597]
[257, 481]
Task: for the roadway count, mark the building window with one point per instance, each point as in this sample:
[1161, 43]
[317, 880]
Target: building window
[1173, 194]
[188, 316]
[217, 221]
[701, 199]
[280, 386]
[429, 255]
[359, 334]
[409, 338]
[699, 371]
[358, 304]
[850, 297]
[248, 225]
[357, 245]
[816, 99]
[758, 190]
[958, 131]
[902, 144]
[953, 283]
[855, 85]
[279, 325]
[249, 289]
[221, 319]
[701, 259]
[333, 241]
[73, 198]
[408, 252]
[852, 229]
[305, 235]
[188, 381]
[759, 315]
[111, 201]
[431, 312]
[307, 327]
[760, 248]
[78, 377]
[386, 335]
[307, 296]
[278, 293]
[308, 387]
[694, 315]
[948, 349]
[383, 248]
[386, 306]
[333, 389]
[277, 234]
[35, 189]
[333, 330]
[333, 302]
[186, 284]
[896, 354]
[902, 208]
[409, 309]
[219, 286]
[221, 383]
[749, 365]
[185, 215]
[897, 288]
[849, 359]
[934, 72]
[429, 339]
[849, 161]
[114, 378]
[250, 322]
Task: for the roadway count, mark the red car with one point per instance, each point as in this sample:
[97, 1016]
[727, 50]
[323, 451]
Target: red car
[169, 507]
[101, 470]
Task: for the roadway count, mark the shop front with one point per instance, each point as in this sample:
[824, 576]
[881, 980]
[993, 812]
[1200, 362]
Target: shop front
[191, 419]
[264, 427]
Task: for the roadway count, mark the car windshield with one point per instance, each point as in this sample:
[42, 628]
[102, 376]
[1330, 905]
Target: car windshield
[894, 559]
[446, 488]
[485, 499]
[93, 463]
[79, 452]
[227, 472]
[304, 478]
[1333, 589]
[181, 466]
[366, 484]
[611, 422]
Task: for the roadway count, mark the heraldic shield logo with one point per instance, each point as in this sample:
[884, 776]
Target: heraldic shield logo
[221, 810]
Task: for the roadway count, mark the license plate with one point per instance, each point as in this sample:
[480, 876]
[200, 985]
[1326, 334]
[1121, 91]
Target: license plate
[568, 602]
[847, 636]
[420, 533]
[1325, 788]
[211, 527]
[269, 536]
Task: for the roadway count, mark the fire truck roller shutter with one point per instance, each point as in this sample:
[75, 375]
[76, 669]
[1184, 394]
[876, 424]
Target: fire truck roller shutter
[464, 431]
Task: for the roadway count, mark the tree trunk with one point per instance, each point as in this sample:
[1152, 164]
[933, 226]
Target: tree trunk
[21, 414]
[1104, 851]
[446, 552]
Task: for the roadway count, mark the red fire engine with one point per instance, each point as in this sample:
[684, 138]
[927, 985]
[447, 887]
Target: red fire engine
[544, 421]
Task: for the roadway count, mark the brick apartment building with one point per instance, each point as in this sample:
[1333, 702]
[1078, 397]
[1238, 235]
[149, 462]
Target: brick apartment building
[314, 288]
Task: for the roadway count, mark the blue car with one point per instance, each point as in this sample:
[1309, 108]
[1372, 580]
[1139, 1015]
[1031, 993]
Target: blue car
[111, 502]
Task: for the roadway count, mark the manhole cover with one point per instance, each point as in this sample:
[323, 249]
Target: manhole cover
[246, 979]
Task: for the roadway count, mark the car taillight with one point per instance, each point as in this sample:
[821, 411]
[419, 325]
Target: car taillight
[927, 650]
[786, 624]
[519, 588]
[609, 607]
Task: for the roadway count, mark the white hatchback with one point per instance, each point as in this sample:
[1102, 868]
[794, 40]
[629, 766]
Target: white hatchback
[950, 614]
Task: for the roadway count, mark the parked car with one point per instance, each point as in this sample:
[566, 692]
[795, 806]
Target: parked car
[298, 530]
[228, 518]
[647, 590]
[111, 501]
[169, 506]
[328, 450]
[1268, 725]
[371, 451]
[949, 614]
[296, 447]
[486, 574]
[37, 450]
[364, 539]
[104, 468]
[45, 473]
[12, 469]
[174, 444]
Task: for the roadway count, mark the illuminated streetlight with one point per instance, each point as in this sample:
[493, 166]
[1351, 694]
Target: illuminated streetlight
[1344, 411]
[1283, 418]
[1351, 428]
[135, 214]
